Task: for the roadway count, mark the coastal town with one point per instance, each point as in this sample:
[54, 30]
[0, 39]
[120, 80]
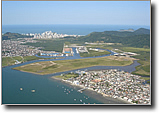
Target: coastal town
[11, 48]
[113, 83]
[52, 35]
[18, 47]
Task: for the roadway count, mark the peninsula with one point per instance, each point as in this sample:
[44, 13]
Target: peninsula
[49, 67]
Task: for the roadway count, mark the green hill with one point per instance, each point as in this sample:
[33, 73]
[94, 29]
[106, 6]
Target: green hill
[9, 35]
[139, 38]
[142, 31]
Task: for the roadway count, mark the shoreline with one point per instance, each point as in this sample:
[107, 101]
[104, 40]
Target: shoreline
[28, 72]
[98, 96]
[61, 71]
[34, 60]
[73, 69]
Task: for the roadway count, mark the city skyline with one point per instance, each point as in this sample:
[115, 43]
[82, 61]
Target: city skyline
[76, 12]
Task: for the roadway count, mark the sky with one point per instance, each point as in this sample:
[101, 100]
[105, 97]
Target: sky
[76, 12]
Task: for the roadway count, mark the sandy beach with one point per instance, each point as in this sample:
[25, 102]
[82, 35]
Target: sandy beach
[98, 96]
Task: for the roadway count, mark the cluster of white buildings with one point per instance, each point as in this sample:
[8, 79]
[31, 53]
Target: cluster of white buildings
[50, 35]
[93, 49]
[50, 53]
[115, 84]
[81, 49]
[11, 48]
[28, 34]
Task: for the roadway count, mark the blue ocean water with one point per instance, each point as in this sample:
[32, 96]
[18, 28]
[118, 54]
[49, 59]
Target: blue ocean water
[67, 29]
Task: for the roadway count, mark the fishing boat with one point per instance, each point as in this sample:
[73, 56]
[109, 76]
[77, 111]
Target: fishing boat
[33, 91]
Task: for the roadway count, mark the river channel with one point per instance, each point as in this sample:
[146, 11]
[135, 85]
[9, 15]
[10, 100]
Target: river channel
[47, 90]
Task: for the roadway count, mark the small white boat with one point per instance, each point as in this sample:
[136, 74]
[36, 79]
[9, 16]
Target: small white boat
[74, 99]
[21, 89]
[33, 90]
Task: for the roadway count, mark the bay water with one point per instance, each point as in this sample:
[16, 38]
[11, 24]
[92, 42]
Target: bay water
[47, 90]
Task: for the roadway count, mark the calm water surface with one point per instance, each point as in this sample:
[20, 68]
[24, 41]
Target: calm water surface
[67, 29]
[48, 91]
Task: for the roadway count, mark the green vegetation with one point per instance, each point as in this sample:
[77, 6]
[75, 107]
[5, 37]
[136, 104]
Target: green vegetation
[9, 35]
[137, 42]
[144, 68]
[139, 38]
[47, 67]
[93, 53]
[29, 58]
[144, 60]
[49, 45]
[103, 46]
[145, 78]
[53, 44]
[134, 49]
[7, 61]
[67, 76]
[144, 56]
[148, 82]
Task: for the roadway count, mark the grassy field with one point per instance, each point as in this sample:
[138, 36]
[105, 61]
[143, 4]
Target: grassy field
[144, 57]
[93, 53]
[49, 67]
[49, 45]
[7, 61]
[67, 76]
[53, 44]
[103, 46]
[145, 78]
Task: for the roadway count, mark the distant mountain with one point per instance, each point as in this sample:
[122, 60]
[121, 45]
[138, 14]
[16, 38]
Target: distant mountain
[142, 31]
[138, 38]
[10, 35]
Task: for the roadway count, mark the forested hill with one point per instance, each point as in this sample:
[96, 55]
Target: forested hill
[138, 38]
[9, 35]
